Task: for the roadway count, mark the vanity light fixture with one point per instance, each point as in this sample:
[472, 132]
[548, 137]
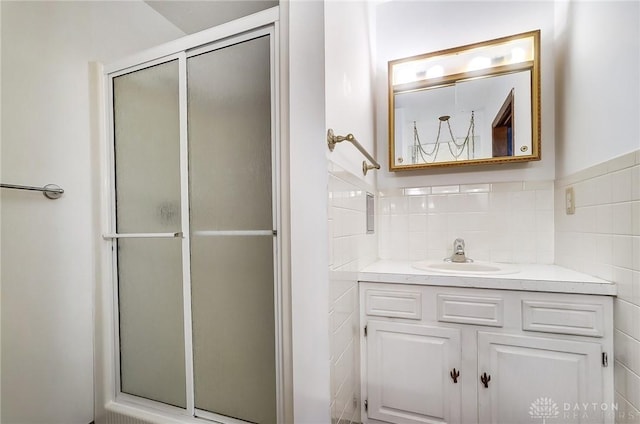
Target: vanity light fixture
[478, 63]
[518, 55]
[435, 71]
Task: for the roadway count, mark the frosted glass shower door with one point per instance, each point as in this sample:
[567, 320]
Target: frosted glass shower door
[232, 230]
[147, 216]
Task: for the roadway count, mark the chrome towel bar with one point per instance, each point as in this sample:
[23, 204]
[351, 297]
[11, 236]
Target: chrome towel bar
[50, 191]
[333, 139]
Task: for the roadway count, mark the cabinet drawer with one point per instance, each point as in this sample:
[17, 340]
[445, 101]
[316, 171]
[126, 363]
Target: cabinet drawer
[563, 318]
[470, 310]
[394, 304]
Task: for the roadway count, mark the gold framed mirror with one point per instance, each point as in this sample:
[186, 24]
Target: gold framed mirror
[470, 105]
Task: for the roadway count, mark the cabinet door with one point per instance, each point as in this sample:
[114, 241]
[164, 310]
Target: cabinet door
[535, 378]
[408, 368]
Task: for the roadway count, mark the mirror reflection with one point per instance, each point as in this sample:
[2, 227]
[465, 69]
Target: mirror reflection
[470, 105]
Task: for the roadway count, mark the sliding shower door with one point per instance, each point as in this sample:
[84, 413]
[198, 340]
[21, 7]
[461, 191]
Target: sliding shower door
[149, 258]
[195, 231]
[230, 186]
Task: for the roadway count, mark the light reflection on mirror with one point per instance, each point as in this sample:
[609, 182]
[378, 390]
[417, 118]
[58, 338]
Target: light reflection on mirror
[469, 105]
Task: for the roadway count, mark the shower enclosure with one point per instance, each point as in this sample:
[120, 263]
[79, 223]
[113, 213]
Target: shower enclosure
[194, 228]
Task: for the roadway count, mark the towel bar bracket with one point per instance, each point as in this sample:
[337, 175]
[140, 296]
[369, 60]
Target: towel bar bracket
[50, 191]
[333, 139]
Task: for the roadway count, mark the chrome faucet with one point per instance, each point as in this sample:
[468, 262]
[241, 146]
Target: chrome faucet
[458, 252]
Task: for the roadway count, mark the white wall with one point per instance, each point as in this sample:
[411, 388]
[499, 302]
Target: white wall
[349, 90]
[48, 260]
[407, 28]
[598, 89]
[598, 145]
[350, 108]
[308, 211]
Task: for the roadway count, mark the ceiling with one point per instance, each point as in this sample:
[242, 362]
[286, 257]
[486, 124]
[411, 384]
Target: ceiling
[193, 16]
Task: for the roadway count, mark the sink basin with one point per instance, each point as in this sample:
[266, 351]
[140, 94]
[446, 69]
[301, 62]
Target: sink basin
[487, 268]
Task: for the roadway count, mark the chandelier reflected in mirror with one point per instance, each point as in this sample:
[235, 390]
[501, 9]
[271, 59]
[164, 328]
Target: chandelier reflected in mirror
[457, 148]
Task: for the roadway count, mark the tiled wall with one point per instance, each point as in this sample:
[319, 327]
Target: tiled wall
[350, 249]
[602, 238]
[503, 222]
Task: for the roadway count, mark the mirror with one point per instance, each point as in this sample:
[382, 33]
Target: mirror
[469, 105]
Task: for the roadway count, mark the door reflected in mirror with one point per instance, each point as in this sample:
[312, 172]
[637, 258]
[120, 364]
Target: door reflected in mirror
[474, 104]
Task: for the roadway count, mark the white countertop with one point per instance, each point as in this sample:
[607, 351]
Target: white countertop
[531, 277]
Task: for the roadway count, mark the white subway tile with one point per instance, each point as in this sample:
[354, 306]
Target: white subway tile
[437, 222]
[627, 318]
[636, 253]
[400, 223]
[522, 220]
[500, 201]
[398, 205]
[546, 185]
[627, 351]
[632, 388]
[585, 219]
[544, 200]
[418, 255]
[344, 366]
[477, 202]
[635, 182]
[604, 219]
[623, 278]
[514, 186]
[417, 223]
[343, 308]
[502, 256]
[583, 194]
[636, 288]
[604, 248]
[544, 221]
[384, 205]
[523, 200]
[622, 222]
[559, 197]
[475, 188]
[500, 240]
[418, 204]
[471, 202]
[524, 257]
[399, 245]
[545, 257]
[445, 189]
[418, 241]
[621, 190]
[437, 203]
[623, 251]
[635, 218]
[339, 284]
[544, 242]
[438, 240]
[342, 337]
[602, 189]
[417, 191]
[391, 192]
[437, 254]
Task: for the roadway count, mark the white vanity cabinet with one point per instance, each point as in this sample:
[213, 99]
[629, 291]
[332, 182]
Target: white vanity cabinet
[407, 372]
[437, 354]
